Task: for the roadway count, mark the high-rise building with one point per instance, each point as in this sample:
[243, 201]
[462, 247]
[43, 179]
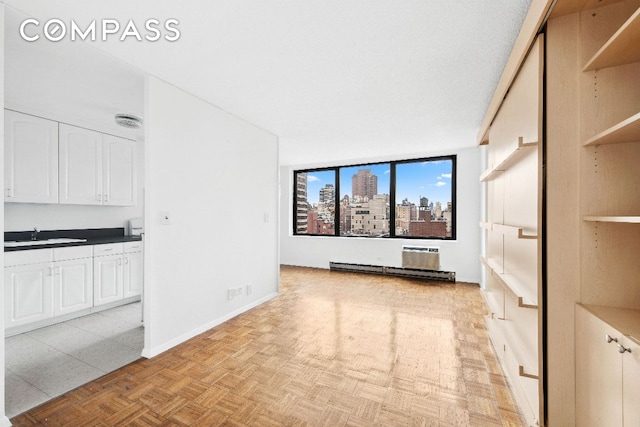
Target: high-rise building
[302, 206]
[328, 194]
[364, 185]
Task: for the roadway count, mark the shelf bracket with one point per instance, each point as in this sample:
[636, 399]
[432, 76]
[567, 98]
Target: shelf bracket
[522, 373]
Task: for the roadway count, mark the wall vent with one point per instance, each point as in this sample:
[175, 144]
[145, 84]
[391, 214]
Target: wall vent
[448, 276]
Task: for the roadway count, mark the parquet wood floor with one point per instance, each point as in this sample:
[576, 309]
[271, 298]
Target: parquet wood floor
[333, 349]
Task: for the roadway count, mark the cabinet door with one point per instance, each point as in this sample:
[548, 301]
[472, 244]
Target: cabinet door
[28, 294]
[80, 174]
[107, 279]
[631, 383]
[72, 286]
[132, 274]
[31, 159]
[598, 373]
[119, 172]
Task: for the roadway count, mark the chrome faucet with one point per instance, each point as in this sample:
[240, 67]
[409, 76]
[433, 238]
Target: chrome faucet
[34, 233]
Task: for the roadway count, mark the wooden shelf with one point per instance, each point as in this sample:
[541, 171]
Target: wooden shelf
[622, 48]
[506, 335]
[626, 131]
[567, 7]
[621, 219]
[511, 231]
[526, 298]
[520, 151]
[624, 320]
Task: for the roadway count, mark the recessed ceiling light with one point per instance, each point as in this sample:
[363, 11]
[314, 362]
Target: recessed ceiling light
[129, 121]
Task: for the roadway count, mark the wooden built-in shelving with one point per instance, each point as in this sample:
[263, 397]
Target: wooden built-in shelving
[625, 320]
[627, 130]
[527, 364]
[526, 298]
[508, 230]
[621, 48]
[518, 152]
[512, 231]
[620, 219]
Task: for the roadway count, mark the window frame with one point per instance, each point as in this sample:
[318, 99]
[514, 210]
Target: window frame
[392, 197]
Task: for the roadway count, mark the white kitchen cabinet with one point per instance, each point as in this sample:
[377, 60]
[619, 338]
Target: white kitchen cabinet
[607, 367]
[119, 171]
[96, 169]
[133, 265]
[28, 279]
[72, 279]
[28, 293]
[80, 166]
[31, 159]
[108, 273]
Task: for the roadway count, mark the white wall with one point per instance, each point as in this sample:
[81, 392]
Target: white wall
[460, 256]
[25, 216]
[4, 421]
[216, 177]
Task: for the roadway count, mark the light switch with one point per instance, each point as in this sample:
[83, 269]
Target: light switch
[164, 217]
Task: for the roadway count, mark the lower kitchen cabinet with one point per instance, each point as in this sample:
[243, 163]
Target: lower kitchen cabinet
[72, 285]
[108, 273]
[44, 284]
[28, 293]
[133, 277]
[607, 367]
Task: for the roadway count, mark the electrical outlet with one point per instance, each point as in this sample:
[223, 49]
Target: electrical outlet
[249, 289]
[234, 292]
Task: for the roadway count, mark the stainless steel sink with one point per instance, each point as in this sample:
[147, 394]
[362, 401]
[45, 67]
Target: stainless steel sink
[13, 244]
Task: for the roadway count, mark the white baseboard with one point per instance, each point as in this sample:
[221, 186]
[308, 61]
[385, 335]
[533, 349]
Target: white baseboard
[152, 352]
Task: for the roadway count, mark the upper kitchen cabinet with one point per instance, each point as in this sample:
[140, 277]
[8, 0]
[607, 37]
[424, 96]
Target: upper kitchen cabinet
[95, 168]
[30, 159]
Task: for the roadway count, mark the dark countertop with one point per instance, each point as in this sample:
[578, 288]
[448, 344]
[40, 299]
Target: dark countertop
[93, 236]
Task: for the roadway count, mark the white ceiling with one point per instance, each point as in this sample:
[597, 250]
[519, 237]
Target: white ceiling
[336, 80]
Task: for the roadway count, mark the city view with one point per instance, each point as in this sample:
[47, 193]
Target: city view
[423, 200]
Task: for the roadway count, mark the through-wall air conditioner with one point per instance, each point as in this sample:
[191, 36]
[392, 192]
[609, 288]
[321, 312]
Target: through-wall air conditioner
[421, 257]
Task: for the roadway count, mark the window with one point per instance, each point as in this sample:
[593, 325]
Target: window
[404, 199]
[315, 202]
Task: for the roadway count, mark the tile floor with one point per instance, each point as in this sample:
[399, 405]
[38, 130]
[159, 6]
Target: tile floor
[50, 361]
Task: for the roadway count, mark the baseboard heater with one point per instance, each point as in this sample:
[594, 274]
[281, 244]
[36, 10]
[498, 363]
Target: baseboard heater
[413, 273]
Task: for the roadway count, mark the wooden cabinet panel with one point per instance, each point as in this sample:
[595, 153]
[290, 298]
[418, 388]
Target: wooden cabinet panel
[598, 373]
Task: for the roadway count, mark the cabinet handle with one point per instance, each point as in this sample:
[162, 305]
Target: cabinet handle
[609, 338]
[99, 197]
[106, 198]
[9, 192]
[51, 270]
[126, 260]
[622, 349]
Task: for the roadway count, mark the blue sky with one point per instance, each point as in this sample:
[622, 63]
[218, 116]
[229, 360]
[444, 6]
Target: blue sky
[414, 180]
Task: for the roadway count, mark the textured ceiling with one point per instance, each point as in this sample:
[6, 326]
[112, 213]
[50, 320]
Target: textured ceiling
[336, 80]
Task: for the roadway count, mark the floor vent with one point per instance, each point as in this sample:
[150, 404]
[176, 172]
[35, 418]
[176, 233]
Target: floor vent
[413, 273]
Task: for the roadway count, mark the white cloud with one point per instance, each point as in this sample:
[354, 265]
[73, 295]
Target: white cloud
[440, 184]
[312, 178]
[446, 175]
[387, 172]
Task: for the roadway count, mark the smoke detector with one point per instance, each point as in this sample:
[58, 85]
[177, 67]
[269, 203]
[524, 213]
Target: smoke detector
[129, 121]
